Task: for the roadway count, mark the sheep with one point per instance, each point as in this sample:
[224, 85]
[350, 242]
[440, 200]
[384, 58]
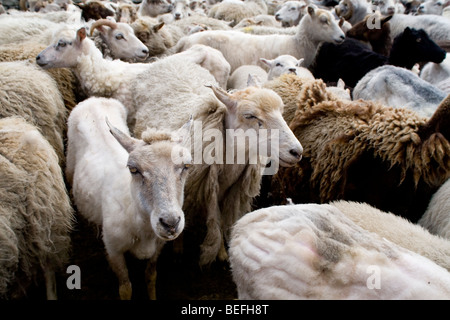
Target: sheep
[14, 30]
[291, 12]
[436, 218]
[431, 7]
[317, 26]
[258, 20]
[138, 203]
[325, 255]
[390, 158]
[286, 64]
[207, 23]
[435, 73]
[353, 11]
[159, 38]
[94, 10]
[117, 40]
[411, 236]
[97, 76]
[235, 11]
[64, 78]
[180, 10]
[242, 77]
[126, 13]
[389, 7]
[400, 88]
[374, 30]
[29, 92]
[437, 27]
[153, 8]
[218, 191]
[36, 216]
[337, 61]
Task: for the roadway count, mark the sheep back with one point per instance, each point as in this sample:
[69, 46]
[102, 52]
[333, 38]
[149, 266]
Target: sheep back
[35, 212]
[28, 91]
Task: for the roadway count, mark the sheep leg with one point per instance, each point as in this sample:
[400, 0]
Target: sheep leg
[223, 254]
[150, 278]
[50, 283]
[119, 266]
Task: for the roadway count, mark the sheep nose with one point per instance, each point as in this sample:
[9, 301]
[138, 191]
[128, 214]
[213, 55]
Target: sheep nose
[297, 153]
[145, 51]
[342, 37]
[293, 70]
[170, 224]
[177, 15]
[277, 17]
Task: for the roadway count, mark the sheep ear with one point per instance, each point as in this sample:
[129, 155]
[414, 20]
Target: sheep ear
[386, 19]
[183, 135]
[158, 26]
[439, 121]
[127, 142]
[253, 81]
[311, 11]
[340, 84]
[81, 34]
[266, 62]
[225, 98]
[300, 62]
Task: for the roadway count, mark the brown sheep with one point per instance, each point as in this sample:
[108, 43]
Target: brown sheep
[362, 151]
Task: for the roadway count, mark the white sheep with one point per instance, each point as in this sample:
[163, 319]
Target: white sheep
[153, 8]
[436, 218]
[244, 76]
[241, 48]
[291, 12]
[431, 7]
[30, 92]
[16, 30]
[258, 20]
[117, 40]
[71, 48]
[313, 251]
[437, 27]
[353, 11]
[286, 64]
[235, 11]
[132, 188]
[36, 216]
[401, 88]
[225, 176]
[437, 74]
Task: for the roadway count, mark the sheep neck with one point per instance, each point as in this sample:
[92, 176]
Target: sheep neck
[306, 46]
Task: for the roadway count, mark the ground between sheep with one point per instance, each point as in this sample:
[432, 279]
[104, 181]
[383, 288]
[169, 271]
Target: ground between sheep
[177, 280]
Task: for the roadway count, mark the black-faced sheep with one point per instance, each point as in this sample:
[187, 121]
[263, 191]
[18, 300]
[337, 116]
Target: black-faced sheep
[36, 216]
[351, 60]
[138, 202]
[388, 157]
[325, 255]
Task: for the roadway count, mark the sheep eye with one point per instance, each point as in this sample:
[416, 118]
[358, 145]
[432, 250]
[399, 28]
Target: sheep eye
[61, 44]
[133, 170]
[292, 9]
[186, 166]
[418, 39]
[119, 36]
[278, 65]
[249, 116]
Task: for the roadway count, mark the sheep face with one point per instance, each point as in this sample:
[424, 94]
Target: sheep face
[64, 51]
[286, 64]
[151, 36]
[158, 168]
[326, 27]
[122, 41]
[153, 8]
[290, 13]
[257, 108]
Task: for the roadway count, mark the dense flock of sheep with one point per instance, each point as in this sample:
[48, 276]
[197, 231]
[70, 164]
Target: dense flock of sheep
[126, 114]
